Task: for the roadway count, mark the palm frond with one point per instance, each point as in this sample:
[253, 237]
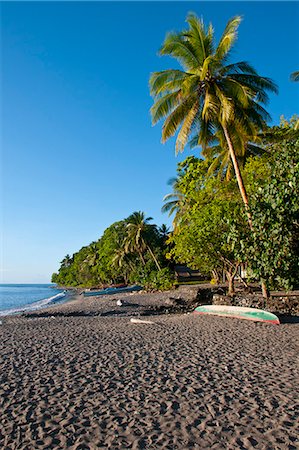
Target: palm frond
[228, 38]
[178, 47]
[294, 76]
[206, 66]
[210, 107]
[256, 82]
[205, 134]
[164, 106]
[226, 109]
[185, 129]
[237, 91]
[238, 67]
[166, 80]
[200, 39]
[176, 117]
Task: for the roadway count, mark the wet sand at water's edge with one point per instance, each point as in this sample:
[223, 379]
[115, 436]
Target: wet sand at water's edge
[80, 381]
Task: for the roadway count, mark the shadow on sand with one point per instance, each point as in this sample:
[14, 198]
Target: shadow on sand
[286, 318]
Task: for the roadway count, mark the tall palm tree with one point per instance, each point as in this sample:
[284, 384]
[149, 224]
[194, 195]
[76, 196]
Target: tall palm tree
[138, 236]
[209, 94]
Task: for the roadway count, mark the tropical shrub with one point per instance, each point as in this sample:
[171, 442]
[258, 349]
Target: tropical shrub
[271, 250]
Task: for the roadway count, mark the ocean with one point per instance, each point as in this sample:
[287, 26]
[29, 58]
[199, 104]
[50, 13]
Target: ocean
[15, 298]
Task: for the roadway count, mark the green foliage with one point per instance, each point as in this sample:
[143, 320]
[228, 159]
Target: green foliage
[272, 248]
[140, 236]
[162, 280]
[287, 130]
[130, 251]
[201, 239]
[212, 233]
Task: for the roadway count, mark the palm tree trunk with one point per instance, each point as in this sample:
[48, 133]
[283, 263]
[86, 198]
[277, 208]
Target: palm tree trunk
[265, 289]
[238, 175]
[154, 258]
[231, 286]
[141, 257]
[243, 192]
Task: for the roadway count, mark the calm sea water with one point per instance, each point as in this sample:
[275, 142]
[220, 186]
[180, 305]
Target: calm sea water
[21, 297]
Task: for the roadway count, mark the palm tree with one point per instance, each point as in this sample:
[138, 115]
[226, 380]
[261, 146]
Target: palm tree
[122, 260]
[119, 257]
[209, 95]
[138, 236]
[92, 256]
[67, 261]
[174, 201]
[164, 232]
[295, 76]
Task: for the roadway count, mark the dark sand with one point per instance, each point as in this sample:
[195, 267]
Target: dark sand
[89, 382]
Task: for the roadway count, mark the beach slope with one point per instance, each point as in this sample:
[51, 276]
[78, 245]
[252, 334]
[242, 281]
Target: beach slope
[185, 381]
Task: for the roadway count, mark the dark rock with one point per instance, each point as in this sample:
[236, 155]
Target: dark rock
[283, 304]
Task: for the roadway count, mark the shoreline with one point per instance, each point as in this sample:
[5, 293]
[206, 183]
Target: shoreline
[58, 299]
[181, 300]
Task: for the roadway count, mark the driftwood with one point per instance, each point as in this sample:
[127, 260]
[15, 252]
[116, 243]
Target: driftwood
[141, 321]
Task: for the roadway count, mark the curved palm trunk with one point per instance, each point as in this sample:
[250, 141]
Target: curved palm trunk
[238, 175]
[243, 192]
[141, 257]
[154, 258]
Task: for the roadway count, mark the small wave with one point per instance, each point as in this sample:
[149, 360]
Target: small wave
[33, 306]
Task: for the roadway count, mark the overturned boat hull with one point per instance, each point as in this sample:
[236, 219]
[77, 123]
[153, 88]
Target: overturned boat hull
[239, 312]
[112, 290]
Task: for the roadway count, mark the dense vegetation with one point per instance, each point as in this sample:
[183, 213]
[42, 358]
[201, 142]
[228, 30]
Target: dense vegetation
[235, 206]
[211, 231]
[130, 251]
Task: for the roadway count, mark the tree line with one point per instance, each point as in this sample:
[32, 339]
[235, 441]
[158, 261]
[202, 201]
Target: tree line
[132, 250]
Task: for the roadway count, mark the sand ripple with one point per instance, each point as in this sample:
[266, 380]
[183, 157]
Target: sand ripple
[184, 382]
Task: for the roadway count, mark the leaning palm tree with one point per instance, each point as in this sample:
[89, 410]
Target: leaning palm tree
[209, 94]
[138, 236]
[174, 201]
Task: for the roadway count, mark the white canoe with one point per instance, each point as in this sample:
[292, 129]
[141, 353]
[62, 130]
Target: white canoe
[240, 312]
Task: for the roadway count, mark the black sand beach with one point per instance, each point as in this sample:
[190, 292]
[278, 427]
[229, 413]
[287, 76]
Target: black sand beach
[97, 382]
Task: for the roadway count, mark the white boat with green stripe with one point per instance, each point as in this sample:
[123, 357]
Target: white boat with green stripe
[239, 312]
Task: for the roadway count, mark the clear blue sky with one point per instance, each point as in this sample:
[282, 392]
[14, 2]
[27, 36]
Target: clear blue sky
[79, 151]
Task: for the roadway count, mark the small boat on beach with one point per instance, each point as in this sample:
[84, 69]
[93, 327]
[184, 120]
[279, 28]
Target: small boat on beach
[239, 312]
[112, 290]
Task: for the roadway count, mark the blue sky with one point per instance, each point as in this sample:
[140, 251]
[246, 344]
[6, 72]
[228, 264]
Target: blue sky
[79, 151]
